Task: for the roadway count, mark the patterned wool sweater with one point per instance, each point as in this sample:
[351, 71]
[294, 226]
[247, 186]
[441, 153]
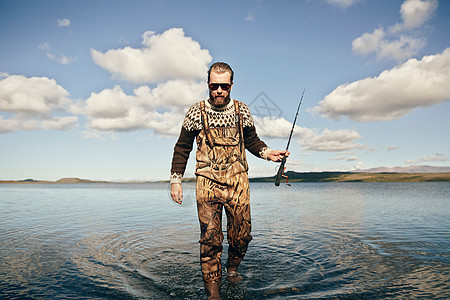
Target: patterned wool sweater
[217, 117]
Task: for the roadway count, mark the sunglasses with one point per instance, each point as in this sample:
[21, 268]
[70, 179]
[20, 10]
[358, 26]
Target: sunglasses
[223, 86]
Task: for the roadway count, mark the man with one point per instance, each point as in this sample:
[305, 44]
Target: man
[223, 129]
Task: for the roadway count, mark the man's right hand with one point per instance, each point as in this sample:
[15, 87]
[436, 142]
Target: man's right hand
[176, 191]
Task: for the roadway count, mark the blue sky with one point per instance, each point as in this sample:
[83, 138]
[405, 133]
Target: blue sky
[98, 89]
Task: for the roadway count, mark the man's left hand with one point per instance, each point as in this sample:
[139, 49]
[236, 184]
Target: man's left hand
[277, 155]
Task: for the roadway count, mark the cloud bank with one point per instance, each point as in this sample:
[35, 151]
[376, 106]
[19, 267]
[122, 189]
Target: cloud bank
[401, 41]
[414, 13]
[166, 56]
[310, 139]
[438, 157]
[393, 93]
[175, 62]
[34, 103]
[161, 109]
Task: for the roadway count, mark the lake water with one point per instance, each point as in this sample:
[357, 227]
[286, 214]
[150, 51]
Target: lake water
[311, 241]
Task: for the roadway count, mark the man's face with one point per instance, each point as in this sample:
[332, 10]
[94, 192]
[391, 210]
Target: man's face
[219, 88]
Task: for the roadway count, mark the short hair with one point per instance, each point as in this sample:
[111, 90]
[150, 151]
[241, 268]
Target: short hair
[220, 67]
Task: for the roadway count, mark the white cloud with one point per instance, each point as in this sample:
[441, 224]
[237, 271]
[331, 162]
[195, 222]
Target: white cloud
[62, 59]
[63, 22]
[327, 140]
[170, 55]
[34, 103]
[161, 109]
[273, 127]
[56, 123]
[250, 17]
[172, 60]
[398, 49]
[347, 158]
[394, 93]
[414, 14]
[343, 3]
[438, 157]
[396, 44]
[391, 148]
[368, 42]
[434, 157]
[35, 96]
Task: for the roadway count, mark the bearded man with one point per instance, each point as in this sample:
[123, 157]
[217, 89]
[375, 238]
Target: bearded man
[223, 129]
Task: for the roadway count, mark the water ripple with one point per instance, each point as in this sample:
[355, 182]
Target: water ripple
[320, 241]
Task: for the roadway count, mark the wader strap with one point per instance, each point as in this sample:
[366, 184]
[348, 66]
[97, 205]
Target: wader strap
[205, 124]
[241, 130]
[239, 121]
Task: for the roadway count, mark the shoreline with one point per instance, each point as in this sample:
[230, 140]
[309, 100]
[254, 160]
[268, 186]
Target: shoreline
[69, 180]
[292, 177]
[359, 177]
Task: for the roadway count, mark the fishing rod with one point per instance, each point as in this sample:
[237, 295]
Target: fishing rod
[283, 162]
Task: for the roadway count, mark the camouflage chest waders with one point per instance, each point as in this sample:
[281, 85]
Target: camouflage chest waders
[222, 182]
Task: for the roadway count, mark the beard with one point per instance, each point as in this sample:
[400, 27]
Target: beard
[219, 101]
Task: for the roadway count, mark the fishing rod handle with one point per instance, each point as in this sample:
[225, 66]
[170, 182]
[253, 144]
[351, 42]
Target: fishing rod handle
[280, 171]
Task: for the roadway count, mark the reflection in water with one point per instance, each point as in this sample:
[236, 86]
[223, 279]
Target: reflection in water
[311, 241]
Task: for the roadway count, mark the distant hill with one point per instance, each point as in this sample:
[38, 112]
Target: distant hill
[381, 174]
[62, 180]
[359, 177]
[410, 169]
[76, 180]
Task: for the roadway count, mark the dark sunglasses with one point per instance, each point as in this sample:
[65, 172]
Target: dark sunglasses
[215, 86]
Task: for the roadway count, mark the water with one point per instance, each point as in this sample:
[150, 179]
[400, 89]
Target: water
[311, 241]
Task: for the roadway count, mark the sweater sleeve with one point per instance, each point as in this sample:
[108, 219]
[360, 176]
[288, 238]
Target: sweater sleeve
[181, 152]
[253, 143]
[189, 130]
[251, 140]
